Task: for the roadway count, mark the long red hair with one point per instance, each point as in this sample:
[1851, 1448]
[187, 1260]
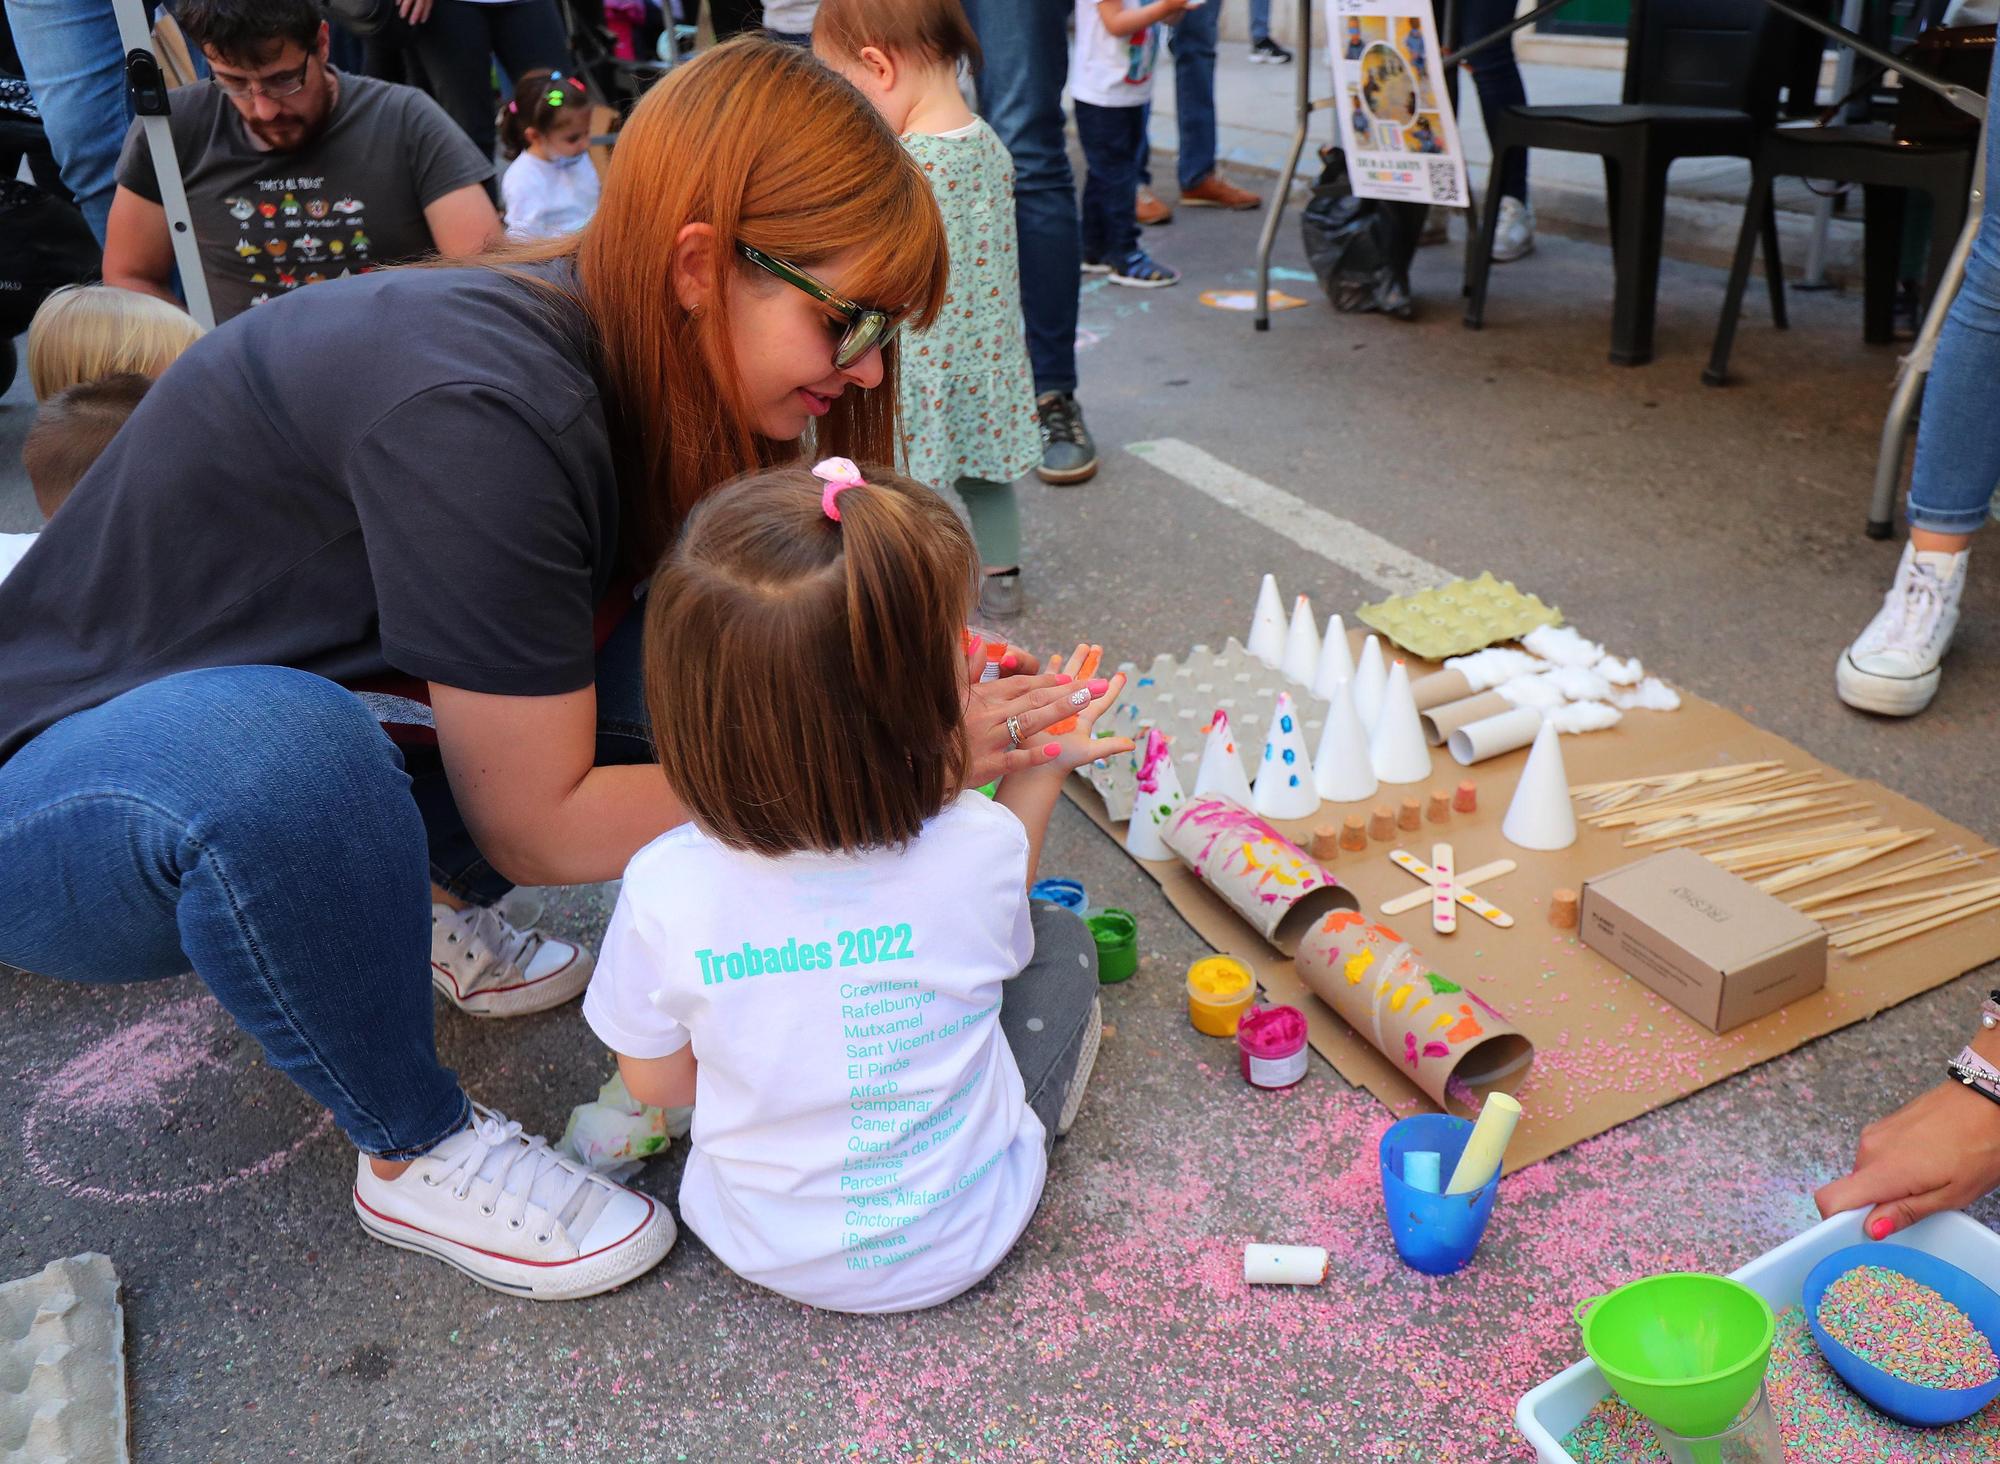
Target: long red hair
[769, 148]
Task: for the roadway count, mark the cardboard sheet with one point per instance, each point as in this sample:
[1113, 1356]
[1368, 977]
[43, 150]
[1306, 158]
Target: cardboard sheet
[1606, 1048]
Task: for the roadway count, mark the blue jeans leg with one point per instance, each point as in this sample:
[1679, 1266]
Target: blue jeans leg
[1193, 45]
[1498, 78]
[252, 823]
[1110, 138]
[1958, 436]
[1026, 62]
[76, 70]
[1260, 21]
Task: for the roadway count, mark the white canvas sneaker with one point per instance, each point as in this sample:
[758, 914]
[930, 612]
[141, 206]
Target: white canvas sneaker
[1513, 231]
[485, 966]
[514, 1215]
[1893, 667]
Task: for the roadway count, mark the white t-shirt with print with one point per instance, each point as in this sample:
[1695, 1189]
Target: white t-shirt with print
[13, 549]
[540, 197]
[1108, 70]
[861, 1138]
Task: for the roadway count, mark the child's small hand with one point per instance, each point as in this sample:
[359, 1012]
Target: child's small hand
[1076, 742]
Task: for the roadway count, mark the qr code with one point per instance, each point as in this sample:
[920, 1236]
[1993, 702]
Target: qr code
[1443, 178]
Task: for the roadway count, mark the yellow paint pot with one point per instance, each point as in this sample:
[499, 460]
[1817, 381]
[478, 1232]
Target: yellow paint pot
[1220, 990]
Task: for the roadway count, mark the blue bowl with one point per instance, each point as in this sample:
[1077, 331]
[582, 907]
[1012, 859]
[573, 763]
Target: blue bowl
[1066, 893]
[1435, 1234]
[1910, 1403]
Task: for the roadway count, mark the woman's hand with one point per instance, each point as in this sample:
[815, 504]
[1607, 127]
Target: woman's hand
[1077, 741]
[1036, 703]
[1940, 1152]
[414, 12]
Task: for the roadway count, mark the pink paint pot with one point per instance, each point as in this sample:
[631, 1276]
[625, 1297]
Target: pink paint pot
[1271, 1042]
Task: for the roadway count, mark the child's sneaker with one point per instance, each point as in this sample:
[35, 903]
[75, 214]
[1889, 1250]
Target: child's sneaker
[486, 967]
[1141, 271]
[1086, 1059]
[1000, 595]
[1892, 668]
[514, 1215]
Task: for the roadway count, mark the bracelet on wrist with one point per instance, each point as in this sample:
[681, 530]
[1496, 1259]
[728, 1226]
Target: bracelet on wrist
[1976, 1073]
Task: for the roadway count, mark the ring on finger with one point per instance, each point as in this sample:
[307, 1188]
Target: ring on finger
[1014, 733]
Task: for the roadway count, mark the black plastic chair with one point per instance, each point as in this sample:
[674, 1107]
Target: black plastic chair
[1701, 80]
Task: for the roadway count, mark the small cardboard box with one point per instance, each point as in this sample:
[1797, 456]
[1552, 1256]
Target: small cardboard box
[1714, 945]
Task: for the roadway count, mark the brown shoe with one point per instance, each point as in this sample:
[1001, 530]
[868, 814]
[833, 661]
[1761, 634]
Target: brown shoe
[1216, 191]
[1151, 211]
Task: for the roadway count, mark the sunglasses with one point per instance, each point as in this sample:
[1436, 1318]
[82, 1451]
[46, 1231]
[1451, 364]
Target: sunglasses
[866, 328]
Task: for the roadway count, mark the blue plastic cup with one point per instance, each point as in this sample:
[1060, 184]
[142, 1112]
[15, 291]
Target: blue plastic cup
[1435, 1234]
[1910, 1403]
[1067, 893]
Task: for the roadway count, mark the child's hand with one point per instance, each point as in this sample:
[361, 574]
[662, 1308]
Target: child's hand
[1011, 659]
[1076, 743]
[1032, 704]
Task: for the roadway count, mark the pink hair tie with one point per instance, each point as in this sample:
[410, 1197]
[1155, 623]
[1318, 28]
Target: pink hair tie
[839, 475]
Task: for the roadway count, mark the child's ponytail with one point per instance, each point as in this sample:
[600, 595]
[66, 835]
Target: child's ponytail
[542, 98]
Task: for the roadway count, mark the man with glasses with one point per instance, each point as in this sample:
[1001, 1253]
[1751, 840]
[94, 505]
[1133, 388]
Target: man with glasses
[295, 172]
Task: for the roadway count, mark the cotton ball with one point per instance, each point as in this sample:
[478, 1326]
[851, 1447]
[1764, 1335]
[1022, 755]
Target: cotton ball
[1486, 669]
[1579, 683]
[1562, 645]
[1584, 716]
[1650, 695]
[1533, 691]
[1620, 673]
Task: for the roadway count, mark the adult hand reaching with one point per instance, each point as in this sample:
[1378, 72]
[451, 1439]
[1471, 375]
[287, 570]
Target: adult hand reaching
[415, 12]
[1939, 1152]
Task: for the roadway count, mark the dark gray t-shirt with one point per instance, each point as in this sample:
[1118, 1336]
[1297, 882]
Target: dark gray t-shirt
[349, 201]
[407, 473]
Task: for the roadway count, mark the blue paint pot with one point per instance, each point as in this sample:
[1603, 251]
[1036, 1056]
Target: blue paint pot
[1910, 1403]
[1068, 893]
[1435, 1234]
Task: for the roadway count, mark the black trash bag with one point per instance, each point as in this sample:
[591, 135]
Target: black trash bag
[1360, 247]
[44, 245]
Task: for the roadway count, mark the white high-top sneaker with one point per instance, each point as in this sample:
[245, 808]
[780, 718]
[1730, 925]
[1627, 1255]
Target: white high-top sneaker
[485, 966]
[1892, 668]
[514, 1215]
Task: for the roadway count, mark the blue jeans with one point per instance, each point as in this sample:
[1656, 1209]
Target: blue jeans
[1026, 62]
[1958, 436]
[75, 66]
[1498, 79]
[253, 823]
[1260, 21]
[1111, 137]
[1192, 40]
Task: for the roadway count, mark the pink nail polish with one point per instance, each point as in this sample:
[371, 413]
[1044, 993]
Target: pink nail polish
[1052, 749]
[1880, 1226]
[1063, 678]
[1009, 661]
[1098, 686]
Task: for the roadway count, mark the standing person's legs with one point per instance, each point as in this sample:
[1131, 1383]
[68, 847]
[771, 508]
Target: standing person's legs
[1051, 1017]
[75, 66]
[1193, 45]
[1498, 78]
[1111, 178]
[1260, 21]
[994, 510]
[455, 48]
[527, 35]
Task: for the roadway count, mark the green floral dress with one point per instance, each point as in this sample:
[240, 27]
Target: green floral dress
[968, 395]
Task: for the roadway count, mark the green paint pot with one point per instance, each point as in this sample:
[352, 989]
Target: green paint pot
[1117, 936]
[1686, 1350]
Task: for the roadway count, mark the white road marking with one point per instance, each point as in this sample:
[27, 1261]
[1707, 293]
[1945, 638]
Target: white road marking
[1333, 538]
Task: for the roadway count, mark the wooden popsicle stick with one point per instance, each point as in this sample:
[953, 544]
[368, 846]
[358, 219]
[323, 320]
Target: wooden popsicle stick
[1921, 927]
[1925, 866]
[1828, 865]
[1416, 899]
[1479, 906]
[1444, 893]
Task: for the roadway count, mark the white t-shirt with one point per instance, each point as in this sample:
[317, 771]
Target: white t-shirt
[861, 1138]
[543, 197]
[1108, 70]
[12, 549]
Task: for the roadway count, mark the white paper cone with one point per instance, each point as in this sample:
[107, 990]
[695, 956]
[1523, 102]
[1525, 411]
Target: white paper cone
[1157, 799]
[1301, 659]
[1491, 736]
[1541, 815]
[1267, 625]
[1336, 660]
[1221, 771]
[1284, 787]
[1396, 746]
[1342, 771]
[1371, 677]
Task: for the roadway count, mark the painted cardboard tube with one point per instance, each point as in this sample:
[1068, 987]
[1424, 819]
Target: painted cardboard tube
[1507, 732]
[1441, 721]
[1434, 1031]
[1257, 871]
[1438, 688]
[1284, 1265]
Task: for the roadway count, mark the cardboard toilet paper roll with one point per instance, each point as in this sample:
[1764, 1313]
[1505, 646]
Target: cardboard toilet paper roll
[1440, 722]
[1477, 741]
[1440, 1036]
[1438, 688]
[1264, 877]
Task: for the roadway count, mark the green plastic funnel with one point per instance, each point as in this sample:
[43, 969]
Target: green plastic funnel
[1684, 1349]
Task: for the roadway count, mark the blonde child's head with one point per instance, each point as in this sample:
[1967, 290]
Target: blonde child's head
[87, 332]
[804, 672]
[876, 43]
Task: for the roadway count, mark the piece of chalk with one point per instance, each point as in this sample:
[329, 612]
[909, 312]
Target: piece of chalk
[1420, 1170]
[1410, 815]
[1440, 809]
[1284, 1265]
[1325, 842]
[1487, 1146]
[1466, 799]
[1562, 909]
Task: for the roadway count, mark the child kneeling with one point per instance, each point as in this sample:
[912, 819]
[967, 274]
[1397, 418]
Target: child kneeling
[835, 959]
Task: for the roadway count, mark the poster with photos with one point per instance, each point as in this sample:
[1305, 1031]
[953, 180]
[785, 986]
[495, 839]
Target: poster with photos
[1394, 111]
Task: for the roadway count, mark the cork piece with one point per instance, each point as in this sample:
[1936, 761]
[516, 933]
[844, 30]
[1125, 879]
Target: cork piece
[1325, 842]
[1562, 909]
[1440, 809]
[1354, 832]
[1411, 814]
[1466, 799]
[62, 1364]
[1382, 823]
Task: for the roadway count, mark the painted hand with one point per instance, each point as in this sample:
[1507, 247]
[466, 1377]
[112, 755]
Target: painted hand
[1073, 733]
[1940, 1152]
[1034, 702]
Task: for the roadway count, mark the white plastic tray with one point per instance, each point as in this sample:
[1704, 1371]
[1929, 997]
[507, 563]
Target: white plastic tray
[1550, 1411]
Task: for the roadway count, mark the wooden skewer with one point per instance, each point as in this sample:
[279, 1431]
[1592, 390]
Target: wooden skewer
[1726, 821]
[1817, 840]
[1787, 788]
[1679, 788]
[1891, 902]
[1696, 775]
[1635, 812]
[1771, 821]
[1873, 925]
[1831, 864]
[1921, 927]
[1945, 861]
[1801, 853]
